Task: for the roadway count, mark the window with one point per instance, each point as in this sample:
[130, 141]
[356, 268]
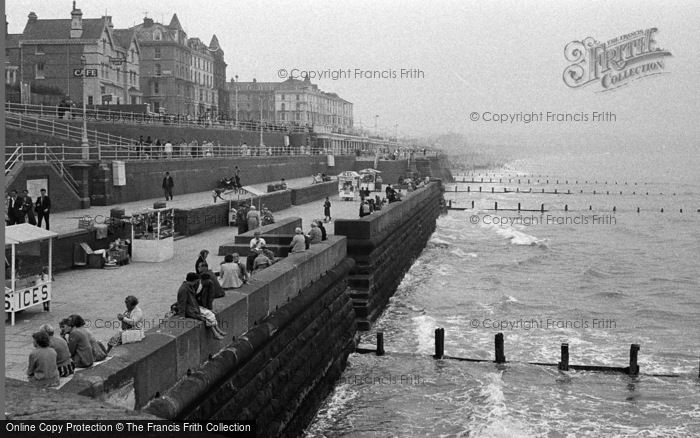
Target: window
[157, 53]
[156, 89]
[282, 107]
[283, 99]
[297, 97]
[132, 55]
[103, 90]
[158, 71]
[157, 35]
[89, 102]
[39, 49]
[39, 70]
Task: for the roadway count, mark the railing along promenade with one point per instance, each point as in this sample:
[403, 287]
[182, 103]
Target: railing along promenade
[124, 117]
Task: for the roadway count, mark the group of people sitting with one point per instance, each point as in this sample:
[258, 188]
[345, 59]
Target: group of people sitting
[76, 346]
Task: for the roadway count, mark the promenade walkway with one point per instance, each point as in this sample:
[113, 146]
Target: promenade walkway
[98, 295]
[68, 220]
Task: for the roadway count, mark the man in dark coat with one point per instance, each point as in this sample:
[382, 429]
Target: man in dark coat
[168, 185]
[42, 207]
[187, 305]
[28, 207]
[15, 210]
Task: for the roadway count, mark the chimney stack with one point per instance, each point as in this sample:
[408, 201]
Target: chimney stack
[32, 17]
[76, 23]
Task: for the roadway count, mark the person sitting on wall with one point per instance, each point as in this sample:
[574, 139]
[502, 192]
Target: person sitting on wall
[324, 235]
[188, 307]
[132, 319]
[232, 273]
[315, 235]
[261, 260]
[63, 361]
[257, 241]
[283, 184]
[42, 370]
[78, 342]
[298, 242]
[365, 209]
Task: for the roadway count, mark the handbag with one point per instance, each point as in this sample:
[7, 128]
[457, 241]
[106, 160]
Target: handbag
[131, 336]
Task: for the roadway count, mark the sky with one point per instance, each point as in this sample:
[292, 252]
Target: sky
[500, 57]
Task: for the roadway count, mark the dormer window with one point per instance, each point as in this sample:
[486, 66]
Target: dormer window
[157, 35]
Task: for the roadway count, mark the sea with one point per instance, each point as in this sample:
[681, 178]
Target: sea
[600, 277]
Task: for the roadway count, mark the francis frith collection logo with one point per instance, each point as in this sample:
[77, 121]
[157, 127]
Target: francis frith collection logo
[616, 62]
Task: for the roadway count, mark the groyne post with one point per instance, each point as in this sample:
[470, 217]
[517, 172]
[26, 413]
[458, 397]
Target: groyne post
[564, 364]
[500, 353]
[634, 368]
[439, 343]
[380, 344]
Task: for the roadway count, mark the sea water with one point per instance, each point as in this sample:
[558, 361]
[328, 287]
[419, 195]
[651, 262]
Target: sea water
[627, 278]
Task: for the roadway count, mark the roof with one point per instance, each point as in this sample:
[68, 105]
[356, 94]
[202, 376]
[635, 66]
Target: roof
[123, 37]
[214, 44]
[175, 23]
[24, 233]
[12, 40]
[60, 29]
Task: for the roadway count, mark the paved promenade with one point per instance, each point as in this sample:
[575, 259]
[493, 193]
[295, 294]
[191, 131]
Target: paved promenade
[68, 220]
[98, 295]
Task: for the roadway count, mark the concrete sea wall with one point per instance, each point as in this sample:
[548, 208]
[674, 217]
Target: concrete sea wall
[280, 371]
[384, 246]
[140, 371]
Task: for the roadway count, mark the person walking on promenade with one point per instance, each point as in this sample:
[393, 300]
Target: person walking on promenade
[253, 218]
[132, 319]
[237, 178]
[43, 208]
[168, 149]
[168, 185]
[63, 360]
[188, 307]
[42, 370]
[28, 207]
[298, 241]
[15, 211]
[327, 210]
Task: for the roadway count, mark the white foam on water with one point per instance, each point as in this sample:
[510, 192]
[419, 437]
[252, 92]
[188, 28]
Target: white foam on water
[334, 407]
[424, 328]
[497, 420]
[516, 237]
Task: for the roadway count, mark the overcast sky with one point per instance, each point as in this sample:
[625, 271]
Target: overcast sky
[497, 56]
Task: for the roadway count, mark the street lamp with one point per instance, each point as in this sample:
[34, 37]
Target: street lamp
[84, 141]
[236, 91]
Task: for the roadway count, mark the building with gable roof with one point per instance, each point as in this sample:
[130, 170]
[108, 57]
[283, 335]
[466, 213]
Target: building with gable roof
[180, 74]
[51, 50]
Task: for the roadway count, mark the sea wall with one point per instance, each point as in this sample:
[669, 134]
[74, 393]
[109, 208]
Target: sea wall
[279, 372]
[314, 192]
[177, 346]
[384, 246]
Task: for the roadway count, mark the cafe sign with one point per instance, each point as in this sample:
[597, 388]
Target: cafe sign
[28, 297]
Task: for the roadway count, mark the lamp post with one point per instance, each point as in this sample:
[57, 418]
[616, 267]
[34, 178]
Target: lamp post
[396, 130]
[262, 145]
[84, 141]
[376, 119]
[235, 88]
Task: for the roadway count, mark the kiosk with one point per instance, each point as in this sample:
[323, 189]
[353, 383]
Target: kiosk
[31, 285]
[371, 179]
[348, 185]
[152, 235]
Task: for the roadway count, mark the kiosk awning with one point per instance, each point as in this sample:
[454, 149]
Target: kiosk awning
[23, 233]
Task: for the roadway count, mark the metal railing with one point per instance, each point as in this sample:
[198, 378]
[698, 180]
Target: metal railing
[15, 157]
[125, 117]
[63, 130]
[58, 165]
